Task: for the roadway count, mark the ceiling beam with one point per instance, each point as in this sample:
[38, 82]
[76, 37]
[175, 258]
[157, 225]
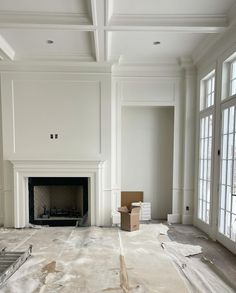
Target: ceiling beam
[167, 29]
[231, 14]
[6, 51]
[173, 23]
[38, 20]
[68, 27]
[98, 14]
[44, 17]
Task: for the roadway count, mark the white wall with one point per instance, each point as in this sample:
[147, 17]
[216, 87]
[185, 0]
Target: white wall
[76, 106]
[1, 175]
[36, 105]
[83, 105]
[147, 155]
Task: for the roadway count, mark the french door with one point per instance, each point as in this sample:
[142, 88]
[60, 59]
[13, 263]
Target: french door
[227, 184]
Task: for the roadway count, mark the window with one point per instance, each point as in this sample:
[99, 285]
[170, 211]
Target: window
[229, 77]
[208, 91]
[205, 163]
[233, 78]
[227, 203]
[227, 192]
[205, 147]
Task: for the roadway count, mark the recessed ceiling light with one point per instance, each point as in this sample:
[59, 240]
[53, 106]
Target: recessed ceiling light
[156, 43]
[49, 42]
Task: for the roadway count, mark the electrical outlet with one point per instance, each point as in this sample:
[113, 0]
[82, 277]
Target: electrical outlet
[51, 136]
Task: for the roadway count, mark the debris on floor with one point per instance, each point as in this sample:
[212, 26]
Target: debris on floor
[182, 249]
[124, 281]
[200, 277]
[34, 226]
[50, 268]
[10, 262]
[202, 237]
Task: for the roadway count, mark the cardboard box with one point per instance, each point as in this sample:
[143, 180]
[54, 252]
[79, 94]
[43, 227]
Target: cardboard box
[127, 197]
[129, 218]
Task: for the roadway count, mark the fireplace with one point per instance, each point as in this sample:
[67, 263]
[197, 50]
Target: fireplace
[26, 169]
[58, 201]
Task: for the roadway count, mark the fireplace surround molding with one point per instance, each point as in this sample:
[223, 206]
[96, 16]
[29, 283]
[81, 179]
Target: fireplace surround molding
[93, 170]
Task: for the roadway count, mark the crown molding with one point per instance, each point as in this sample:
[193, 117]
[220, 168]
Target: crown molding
[188, 66]
[231, 15]
[213, 46]
[162, 69]
[56, 57]
[209, 43]
[188, 23]
[56, 67]
[204, 47]
[138, 60]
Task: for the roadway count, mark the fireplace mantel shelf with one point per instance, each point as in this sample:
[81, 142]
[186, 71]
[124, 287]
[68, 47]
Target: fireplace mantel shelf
[52, 161]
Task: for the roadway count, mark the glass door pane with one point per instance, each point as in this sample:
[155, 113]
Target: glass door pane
[227, 202]
[205, 163]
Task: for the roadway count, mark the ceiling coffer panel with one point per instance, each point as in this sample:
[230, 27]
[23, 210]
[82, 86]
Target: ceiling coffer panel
[50, 44]
[46, 12]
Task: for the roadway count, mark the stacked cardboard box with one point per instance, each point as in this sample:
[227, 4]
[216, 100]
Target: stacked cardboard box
[145, 210]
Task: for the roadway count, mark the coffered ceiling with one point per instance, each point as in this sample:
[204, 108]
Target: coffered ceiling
[109, 30]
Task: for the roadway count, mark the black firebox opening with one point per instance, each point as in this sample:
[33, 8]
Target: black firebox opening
[58, 201]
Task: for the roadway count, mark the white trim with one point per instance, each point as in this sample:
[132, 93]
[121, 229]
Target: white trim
[27, 19]
[154, 103]
[187, 219]
[174, 218]
[230, 244]
[160, 22]
[31, 168]
[226, 240]
[201, 114]
[226, 77]
[108, 11]
[6, 51]
[57, 56]
[58, 67]
[231, 15]
[99, 34]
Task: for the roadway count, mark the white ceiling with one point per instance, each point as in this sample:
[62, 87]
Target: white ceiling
[58, 6]
[109, 30]
[171, 6]
[32, 45]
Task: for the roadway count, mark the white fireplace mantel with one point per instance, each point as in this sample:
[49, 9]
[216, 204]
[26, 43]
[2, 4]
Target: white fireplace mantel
[23, 169]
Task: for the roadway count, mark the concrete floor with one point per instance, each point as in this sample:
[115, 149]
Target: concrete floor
[67, 259]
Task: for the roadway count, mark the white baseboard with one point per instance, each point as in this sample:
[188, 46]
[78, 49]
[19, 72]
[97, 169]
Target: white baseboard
[187, 219]
[1, 221]
[115, 218]
[174, 218]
